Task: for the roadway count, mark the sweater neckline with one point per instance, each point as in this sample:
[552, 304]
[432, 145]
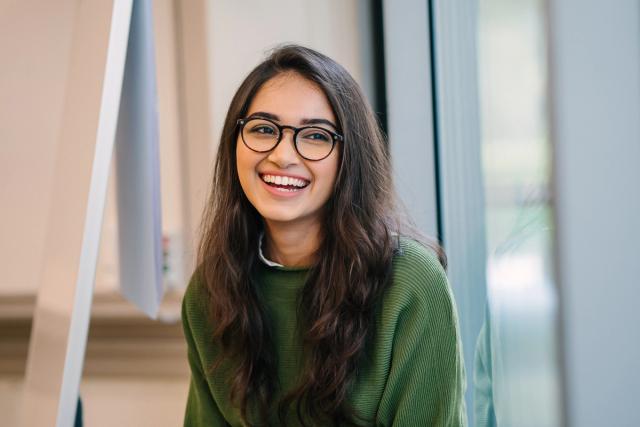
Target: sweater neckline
[285, 268]
[282, 281]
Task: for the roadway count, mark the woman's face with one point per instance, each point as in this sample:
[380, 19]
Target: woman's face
[289, 99]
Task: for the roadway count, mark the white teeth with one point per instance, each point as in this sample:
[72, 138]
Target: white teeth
[284, 180]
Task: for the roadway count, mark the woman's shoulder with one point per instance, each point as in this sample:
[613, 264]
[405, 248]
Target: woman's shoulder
[195, 297]
[416, 262]
[418, 277]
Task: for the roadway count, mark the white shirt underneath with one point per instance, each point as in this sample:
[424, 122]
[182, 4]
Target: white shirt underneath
[261, 254]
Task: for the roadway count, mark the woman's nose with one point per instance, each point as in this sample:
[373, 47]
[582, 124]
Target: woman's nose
[285, 153]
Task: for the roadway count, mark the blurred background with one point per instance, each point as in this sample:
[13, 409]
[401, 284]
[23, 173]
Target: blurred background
[514, 128]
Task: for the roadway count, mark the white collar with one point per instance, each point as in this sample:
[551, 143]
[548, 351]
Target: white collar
[261, 254]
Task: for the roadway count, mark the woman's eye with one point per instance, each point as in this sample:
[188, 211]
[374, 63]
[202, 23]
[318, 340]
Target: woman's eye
[317, 136]
[320, 136]
[263, 130]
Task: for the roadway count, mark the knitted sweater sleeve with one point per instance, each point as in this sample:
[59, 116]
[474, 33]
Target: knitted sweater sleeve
[426, 381]
[201, 409]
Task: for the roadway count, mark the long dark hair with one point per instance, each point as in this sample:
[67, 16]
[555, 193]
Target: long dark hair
[359, 237]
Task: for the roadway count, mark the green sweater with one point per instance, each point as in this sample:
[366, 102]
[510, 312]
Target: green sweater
[417, 376]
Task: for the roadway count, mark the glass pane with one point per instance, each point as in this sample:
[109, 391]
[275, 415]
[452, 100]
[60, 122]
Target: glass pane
[516, 363]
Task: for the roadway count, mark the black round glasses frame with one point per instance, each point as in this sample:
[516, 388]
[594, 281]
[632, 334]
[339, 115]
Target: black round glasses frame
[334, 136]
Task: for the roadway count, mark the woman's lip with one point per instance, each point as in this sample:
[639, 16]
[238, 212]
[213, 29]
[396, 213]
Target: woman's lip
[280, 193]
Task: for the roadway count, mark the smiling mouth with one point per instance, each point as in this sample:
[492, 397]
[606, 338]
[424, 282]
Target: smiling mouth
[284, 183]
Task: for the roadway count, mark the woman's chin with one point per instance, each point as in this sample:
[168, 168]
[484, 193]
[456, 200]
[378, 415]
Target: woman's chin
[280, 217]
[277, 216]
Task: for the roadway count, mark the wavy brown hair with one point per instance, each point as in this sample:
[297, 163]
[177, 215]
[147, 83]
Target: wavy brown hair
[360, 230]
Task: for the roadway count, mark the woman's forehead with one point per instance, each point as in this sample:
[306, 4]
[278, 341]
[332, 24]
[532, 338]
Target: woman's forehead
[292, 98]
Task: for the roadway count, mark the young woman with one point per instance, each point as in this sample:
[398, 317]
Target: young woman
[311, 303]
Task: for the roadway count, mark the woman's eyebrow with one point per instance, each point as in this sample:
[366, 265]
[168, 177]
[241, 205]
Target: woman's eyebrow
[264, 115]
[318, 122]
[313, 121]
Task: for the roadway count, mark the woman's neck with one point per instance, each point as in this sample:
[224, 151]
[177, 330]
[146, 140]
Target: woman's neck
[292, 245]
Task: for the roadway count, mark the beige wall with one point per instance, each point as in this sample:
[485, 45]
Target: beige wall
[35, 48]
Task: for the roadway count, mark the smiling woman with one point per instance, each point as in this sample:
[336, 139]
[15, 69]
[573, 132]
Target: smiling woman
[291, 213]
[313, 302]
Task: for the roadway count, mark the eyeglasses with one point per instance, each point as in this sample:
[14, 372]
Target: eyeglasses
[311, 142]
